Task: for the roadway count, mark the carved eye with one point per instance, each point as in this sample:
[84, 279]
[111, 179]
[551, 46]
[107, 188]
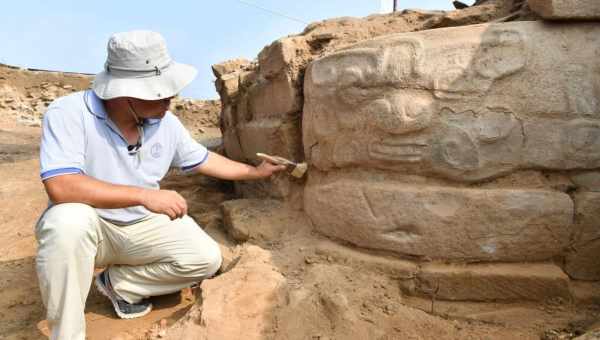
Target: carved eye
[457, 150]
[346, 68]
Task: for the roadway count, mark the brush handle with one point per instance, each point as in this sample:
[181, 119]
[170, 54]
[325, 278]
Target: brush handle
[274, 159]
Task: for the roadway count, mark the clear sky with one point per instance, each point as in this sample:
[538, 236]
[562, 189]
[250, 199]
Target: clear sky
[71, 35]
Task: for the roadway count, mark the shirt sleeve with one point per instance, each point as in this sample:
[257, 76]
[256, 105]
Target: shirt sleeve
[188, 153]
[63, 143]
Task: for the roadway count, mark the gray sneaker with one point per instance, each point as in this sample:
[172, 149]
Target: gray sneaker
[124, 309]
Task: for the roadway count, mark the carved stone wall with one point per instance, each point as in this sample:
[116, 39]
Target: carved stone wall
[424, 144]
[263, 100]
[470, 154]
[566, 9]
[489, 101]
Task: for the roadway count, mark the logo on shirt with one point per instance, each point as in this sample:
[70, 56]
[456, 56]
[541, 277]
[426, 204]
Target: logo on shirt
[156, 150]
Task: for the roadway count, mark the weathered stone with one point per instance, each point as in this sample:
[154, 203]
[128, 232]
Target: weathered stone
[587, 180]
[272, 136]
[248, 77]
[231, 142]
[566, 9]
[227, 86]
[493, 282]
[275, 97]
[560, 144]
[587, 210]
[237, 304]
[393, 267]
[229, 66]
[459, 108]
[593, 334]
[442, 222]
[279, 56]
[585, 292]
[583, 262]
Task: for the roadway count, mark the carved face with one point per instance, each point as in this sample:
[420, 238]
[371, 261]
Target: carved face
[425, 104]
[372, 112]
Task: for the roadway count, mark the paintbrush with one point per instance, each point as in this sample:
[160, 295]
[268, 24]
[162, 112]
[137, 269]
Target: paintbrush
[296, 169]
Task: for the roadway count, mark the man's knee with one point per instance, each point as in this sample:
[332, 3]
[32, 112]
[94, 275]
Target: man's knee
[201, 266]
[214, 262]
[66, 226]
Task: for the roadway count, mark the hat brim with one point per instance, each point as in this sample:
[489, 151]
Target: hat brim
[168, 84]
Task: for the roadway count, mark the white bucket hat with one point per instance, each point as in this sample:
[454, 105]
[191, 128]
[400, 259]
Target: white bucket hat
[139, 66]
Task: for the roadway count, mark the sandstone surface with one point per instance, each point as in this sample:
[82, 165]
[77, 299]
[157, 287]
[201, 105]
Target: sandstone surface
[459, 108]
[587, 180]
[263, 100]
[566, 9]
[497, 282]
[583, 262]
[238, 304]
[429, 222]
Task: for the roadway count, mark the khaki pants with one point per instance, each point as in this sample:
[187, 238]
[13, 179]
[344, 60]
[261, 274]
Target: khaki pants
[153, 257]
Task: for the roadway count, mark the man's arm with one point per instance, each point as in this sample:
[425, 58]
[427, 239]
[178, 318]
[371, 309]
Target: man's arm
[224, 168]
[78, 188]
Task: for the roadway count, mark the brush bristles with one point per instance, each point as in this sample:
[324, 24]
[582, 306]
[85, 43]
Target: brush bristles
[299, 170]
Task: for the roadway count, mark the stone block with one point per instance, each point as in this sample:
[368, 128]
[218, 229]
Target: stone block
[442, 222]
[586, 292]
[238, 304]
[228, 86]
[231, 142]
[493, 282]
[583, 261]
[274, 97]
[593, 334]
[248, 77]
[229, 66]
[392, 267]
[561, 144]
[589, 181]
[461, 108]
[272, 136]
[280, 56]
[566, 9]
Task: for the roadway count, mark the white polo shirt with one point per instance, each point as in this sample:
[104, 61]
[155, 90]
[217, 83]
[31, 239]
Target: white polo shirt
[79, 138]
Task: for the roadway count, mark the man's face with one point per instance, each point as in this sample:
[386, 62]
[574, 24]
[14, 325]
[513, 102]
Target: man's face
[150, 108]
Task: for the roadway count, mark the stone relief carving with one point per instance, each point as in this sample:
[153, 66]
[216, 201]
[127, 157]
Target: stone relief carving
[486, 103]
[441, 222]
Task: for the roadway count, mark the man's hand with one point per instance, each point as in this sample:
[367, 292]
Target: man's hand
[166, 202]
[266, 169]
[79, 188]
